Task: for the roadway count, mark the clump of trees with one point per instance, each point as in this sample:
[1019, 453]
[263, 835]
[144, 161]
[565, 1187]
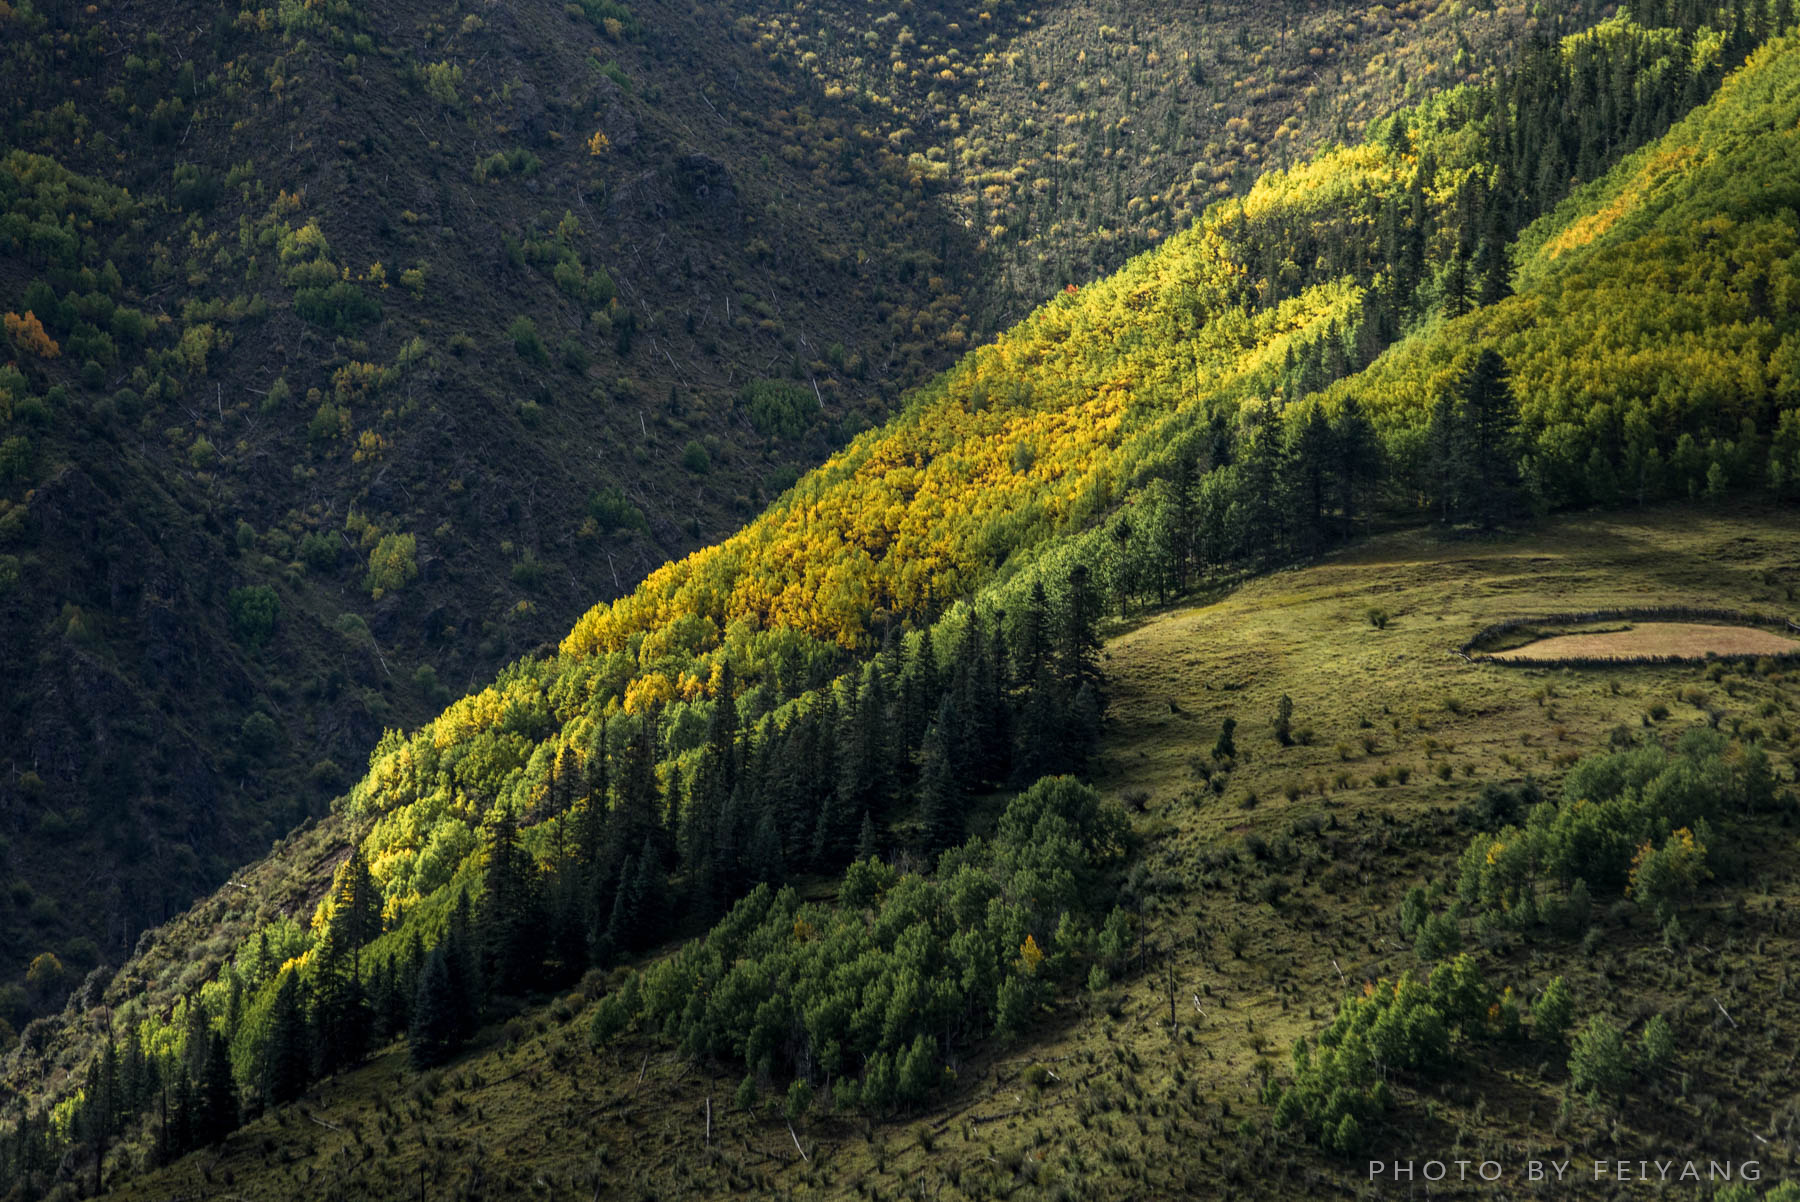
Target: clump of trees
[1635, 823]
[1410, 1026]
[672, 814]
[863, 1002]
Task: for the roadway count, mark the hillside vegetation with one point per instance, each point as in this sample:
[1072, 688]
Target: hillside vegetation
[1268, 885]
[1066, 138]
[509, 307]
[313, 417]
[912, 628]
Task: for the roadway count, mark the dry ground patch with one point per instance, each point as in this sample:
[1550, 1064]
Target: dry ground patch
[1679, 640]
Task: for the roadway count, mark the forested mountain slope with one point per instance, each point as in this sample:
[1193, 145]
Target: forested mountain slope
[352, 350]
[912, 626]
[1267, 885]
[1067, 137]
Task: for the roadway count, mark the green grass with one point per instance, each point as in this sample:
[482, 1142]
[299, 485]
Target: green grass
[1137, 1110]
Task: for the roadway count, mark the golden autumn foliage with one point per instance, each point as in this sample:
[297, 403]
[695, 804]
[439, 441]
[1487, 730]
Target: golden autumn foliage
[1028, 444]
[28, 335]
[1656, 302]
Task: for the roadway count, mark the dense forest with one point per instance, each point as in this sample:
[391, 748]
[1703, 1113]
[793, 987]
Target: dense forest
[881, 686]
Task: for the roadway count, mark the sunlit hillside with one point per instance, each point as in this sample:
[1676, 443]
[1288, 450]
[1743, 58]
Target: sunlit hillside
[1264, 890]
[855, 808]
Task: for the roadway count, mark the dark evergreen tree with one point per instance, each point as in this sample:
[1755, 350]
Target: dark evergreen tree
[640, 799]
[102, 1112]
[1309, 454]
[1042, 735]
[462, 963]
[138, 1082]
[1473, 444]
[1078, 644]
[868, 843]
[764, 859]
[1492, 414]
[437, 1027]
[592, 826]
[920, 689]
[698, 838]
[356, 903]
[217, 1095]
[1225, 746]
[1263, 480]
[639, 910]
[1358, 452]
[341, 1016]
[1032, 643]
[722, 726]
[940, 789]
[287, 1058]
[864, 771]
[566, 912]
[178, 1124]
[1085, 717]
[1458, 289]
[510, 915]
[731, 840]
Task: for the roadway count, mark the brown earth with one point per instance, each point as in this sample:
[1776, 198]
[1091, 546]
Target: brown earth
[1687, 640]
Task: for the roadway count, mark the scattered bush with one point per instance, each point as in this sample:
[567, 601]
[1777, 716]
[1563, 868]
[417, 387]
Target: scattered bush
[393, 564]
[524, 334]
[1599, 1061]
[254, 611]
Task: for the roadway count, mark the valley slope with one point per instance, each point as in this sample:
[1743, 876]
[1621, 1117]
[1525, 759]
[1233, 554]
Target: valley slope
[1262, 902]
[1264, 387]
[354, 350]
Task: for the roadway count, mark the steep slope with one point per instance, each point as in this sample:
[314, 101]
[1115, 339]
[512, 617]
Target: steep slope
[1169, 485]
[466, 395]
[1071, 136]
[1263, 898]
[510, 305]
[1652, 340]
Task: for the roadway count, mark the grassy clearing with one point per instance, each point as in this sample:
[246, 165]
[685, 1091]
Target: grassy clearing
[1268, 886]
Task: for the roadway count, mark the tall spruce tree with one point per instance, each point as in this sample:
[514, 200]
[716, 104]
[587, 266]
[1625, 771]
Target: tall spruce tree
[340, 1007]
[510, 913]
[287, 1055]
[1078, 646]
[1032, 644]
[1042, 747]
[1358, 453]
[1473, 443]
[462, 963]
[436, 1030]
[1492, 415]
[218, 1094]
[1310, 454]
[940, 789]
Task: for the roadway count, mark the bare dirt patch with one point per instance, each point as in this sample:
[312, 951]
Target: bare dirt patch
[1684, 640]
